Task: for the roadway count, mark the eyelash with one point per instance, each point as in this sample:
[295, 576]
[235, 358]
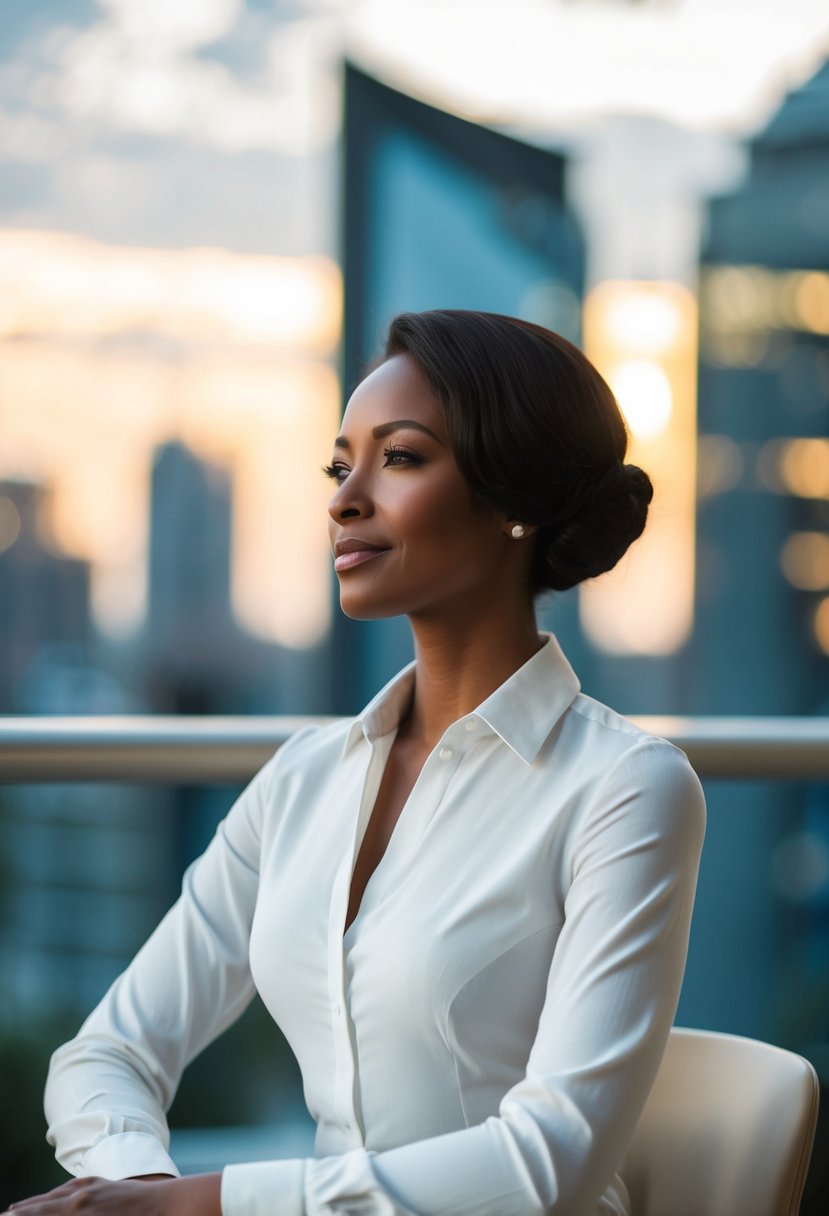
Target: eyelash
[339, 472]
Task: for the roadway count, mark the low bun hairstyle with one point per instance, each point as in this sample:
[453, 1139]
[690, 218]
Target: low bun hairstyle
[537, 435]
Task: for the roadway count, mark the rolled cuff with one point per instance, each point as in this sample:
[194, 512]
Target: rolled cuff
[264, 1188]
[128, 1155]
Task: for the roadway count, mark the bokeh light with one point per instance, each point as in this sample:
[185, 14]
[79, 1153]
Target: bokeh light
[804, 559]
[742, 304]
[804, 467]
[821, 625]
[9, 523]
[720, 465]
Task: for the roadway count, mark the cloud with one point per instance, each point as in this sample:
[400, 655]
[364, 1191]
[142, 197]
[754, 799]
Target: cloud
[143, 70]
[29, 137]
[173, 25]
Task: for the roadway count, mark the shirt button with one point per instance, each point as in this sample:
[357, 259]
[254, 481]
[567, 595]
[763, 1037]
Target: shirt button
[470, 724]
[338, 1010]
[446, 753]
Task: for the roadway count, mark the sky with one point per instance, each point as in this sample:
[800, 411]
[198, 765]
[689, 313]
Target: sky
[182, 122]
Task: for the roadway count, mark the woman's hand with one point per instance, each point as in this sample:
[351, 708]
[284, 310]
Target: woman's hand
[153, 1195]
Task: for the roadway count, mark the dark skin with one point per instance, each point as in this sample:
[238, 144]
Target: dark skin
[151, 1195]
[453, 568]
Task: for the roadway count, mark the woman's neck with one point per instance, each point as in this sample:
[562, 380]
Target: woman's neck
[460, 662]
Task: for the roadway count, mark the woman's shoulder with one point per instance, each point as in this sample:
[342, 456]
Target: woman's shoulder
[614, 733]
[630, 764]
[313, 743]
[296, 772]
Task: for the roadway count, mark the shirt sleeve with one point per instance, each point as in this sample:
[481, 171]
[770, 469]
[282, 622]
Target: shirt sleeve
[108, 1089]
[612, 991]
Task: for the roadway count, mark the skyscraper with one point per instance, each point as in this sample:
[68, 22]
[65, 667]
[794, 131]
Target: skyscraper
[44, 596]
[761, 643]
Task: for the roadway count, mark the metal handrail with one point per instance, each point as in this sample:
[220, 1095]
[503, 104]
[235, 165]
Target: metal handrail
[211, 750]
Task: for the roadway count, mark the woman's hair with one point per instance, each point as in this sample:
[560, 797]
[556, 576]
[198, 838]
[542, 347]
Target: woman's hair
[537, 434]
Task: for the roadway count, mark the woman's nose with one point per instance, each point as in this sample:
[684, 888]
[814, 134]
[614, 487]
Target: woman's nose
[351, 500]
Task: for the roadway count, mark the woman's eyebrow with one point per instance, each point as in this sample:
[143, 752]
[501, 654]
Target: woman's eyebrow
[387, 428]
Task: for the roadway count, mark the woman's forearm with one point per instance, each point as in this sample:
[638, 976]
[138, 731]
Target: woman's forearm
[150, 1195]
[198, 1195]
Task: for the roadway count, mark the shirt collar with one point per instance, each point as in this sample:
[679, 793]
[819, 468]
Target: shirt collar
[522, 711]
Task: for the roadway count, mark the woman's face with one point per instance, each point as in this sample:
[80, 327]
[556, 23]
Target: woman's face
[406, 533]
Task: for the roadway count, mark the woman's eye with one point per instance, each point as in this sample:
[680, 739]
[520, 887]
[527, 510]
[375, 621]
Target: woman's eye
[400, 456]
[337, 472]
[394, 457]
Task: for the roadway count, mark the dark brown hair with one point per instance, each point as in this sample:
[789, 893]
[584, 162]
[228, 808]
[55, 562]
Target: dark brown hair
[537, 434]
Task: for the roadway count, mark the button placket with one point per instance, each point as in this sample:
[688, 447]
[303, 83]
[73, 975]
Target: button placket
[426, 798]
[344, 1053]
[342, 1045]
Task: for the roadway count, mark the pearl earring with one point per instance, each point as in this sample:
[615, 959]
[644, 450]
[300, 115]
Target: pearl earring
[517, 531]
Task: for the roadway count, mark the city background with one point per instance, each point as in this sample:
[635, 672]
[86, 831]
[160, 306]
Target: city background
[209, 213]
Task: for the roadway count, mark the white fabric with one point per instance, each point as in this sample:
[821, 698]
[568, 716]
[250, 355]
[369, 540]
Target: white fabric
[483, 1039]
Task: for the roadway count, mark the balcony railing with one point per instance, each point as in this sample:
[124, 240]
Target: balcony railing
[210, 750]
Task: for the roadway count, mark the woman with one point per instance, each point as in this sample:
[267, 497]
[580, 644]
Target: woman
[468, 909]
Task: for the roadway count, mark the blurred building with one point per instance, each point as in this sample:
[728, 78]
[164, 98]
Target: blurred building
[189, 547]
[44, 597]
[193, 656]
[190, 635]
[86, 871]
[764, 423]
[78, 865]
[761, 640]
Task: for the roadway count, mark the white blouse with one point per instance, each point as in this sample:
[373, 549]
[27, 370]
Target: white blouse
[482, 1039]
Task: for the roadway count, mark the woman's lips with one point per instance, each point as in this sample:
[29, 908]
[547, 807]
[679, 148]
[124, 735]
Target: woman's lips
[355, 558]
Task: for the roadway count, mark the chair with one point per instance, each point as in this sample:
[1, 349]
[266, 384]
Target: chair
[727, 1130]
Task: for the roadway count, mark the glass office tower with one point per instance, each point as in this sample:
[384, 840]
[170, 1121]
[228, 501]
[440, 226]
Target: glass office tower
[440, 213]
[761, 640]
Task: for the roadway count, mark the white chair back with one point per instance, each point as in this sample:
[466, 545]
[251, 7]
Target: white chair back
[727, 1130]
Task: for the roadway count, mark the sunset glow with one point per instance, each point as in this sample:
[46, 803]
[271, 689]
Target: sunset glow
[116, 351]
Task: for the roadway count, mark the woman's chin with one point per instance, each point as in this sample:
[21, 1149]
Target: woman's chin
[358, 608]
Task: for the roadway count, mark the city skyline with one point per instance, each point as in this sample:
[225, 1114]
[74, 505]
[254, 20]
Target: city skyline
[109, 352]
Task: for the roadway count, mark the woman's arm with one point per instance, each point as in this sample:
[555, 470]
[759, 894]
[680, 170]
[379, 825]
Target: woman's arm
[108, 1089]
[154, 1195]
